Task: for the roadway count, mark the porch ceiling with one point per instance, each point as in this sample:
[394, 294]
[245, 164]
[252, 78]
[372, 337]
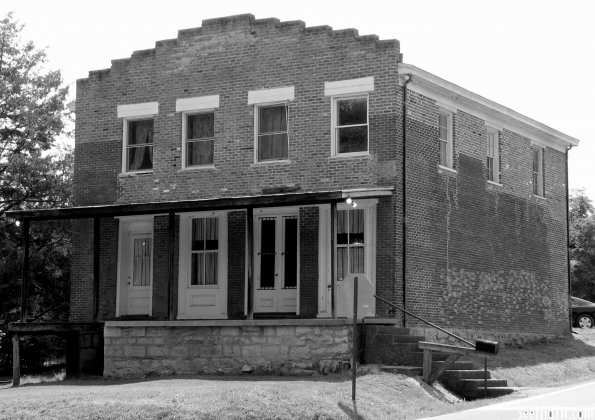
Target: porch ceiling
[228, 203]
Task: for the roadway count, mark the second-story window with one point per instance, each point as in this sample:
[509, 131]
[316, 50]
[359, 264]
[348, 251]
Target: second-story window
[272, 141]
[493, 155]
[350, 125]
[537, 171]
[199, 138]
[446, 140]
[139, 145]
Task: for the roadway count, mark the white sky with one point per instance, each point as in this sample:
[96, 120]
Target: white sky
[535, 57]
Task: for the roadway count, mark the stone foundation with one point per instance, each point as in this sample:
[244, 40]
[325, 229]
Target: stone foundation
[144, 348]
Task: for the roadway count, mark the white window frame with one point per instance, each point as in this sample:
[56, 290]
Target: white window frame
[449, 141]
[136, 112]
[493, 154]
[335, 125]
[257, 108]
[537, 187]
[185, 140]
[193, 106]
[125, 147]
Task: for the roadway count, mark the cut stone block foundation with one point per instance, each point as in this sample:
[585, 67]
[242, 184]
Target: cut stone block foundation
[145, 348]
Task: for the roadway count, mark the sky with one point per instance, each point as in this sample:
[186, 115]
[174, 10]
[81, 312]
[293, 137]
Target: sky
[536, 57]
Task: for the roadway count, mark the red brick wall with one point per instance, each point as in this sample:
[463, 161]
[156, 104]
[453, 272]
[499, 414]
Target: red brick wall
[308, 289]
[236, 264]
[481, 256]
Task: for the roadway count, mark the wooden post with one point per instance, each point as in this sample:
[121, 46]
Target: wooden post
[333, 258]
[249, 257]
[96, 266]
[16, 360]
[427, 365]
[171, 243]
[354, 344]
[25, 273]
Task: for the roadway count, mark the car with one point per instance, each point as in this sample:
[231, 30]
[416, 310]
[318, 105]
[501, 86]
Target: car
[583, 312]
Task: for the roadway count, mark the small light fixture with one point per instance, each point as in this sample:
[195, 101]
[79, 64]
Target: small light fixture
[354, 204]
[18, 223]
[349, 200]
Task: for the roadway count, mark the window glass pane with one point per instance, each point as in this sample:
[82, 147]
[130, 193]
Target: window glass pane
[139, 158]
[211, 233]
[356, 227]
[272, 146]
[490, 165]
[197, 270]
[200, 152]
[200, 126]
[443, 153]
[140, 132]
[352, 139]
[342, 261]
[267, 253]
[443, 127]
[272, 119]
[342, 227]
[211, 259]
[356, 259]
[141, 270]
[291, 230]
[198, 234]
[352, 111]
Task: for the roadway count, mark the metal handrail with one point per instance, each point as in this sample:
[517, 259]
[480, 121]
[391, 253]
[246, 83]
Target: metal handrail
[425, 321]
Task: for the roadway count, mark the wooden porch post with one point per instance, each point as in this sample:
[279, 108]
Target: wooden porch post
[171, 243]
[25, 274]
[249, 252]
[333, 258]
[16, 360]
[96, 266]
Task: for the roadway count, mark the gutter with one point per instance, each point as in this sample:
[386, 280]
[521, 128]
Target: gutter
[404, 193]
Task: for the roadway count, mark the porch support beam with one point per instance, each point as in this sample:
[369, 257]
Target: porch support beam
[96, 266]
[249, 257]
[25, 273]
[171, 243]
[333, 257]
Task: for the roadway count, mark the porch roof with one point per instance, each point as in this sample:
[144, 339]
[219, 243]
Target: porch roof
[224, 203]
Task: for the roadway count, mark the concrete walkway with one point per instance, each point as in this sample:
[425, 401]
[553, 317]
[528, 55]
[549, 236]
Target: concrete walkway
[568, 403]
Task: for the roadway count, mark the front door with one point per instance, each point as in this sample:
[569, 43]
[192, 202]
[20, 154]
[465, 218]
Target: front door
[276, 263]
[140, 267]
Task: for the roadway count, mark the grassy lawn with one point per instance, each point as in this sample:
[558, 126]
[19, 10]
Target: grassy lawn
[379, 395]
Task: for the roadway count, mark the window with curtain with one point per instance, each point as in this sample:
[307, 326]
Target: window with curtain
[139, 145]
[200, 143]
[493, 156]
[351, 125]
[350, 242]
[141, 262]
[205, 251]
[272, 132]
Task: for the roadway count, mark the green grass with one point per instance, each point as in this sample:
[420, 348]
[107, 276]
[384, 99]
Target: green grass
[379, 395]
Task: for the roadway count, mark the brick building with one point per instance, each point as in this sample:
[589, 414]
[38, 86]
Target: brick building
[231, 182]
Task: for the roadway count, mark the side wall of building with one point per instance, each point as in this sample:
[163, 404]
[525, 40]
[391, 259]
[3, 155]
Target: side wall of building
[484, 258]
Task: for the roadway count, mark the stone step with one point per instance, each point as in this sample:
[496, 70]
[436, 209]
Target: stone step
[493, 392]
[458, 365]
[466, 374]
[403, 370]
[385, 329]
[469, 384]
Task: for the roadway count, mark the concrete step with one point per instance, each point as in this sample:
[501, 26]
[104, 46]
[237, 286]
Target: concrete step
[385, 329]
[466, 374]
[403, 370]
[493, 392]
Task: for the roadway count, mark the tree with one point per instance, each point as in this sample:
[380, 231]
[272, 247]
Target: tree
[32, 115]
[32, 175]
[582, 245]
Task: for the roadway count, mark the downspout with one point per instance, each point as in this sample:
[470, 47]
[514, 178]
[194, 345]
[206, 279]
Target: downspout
[568, 241]
[404, 194]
